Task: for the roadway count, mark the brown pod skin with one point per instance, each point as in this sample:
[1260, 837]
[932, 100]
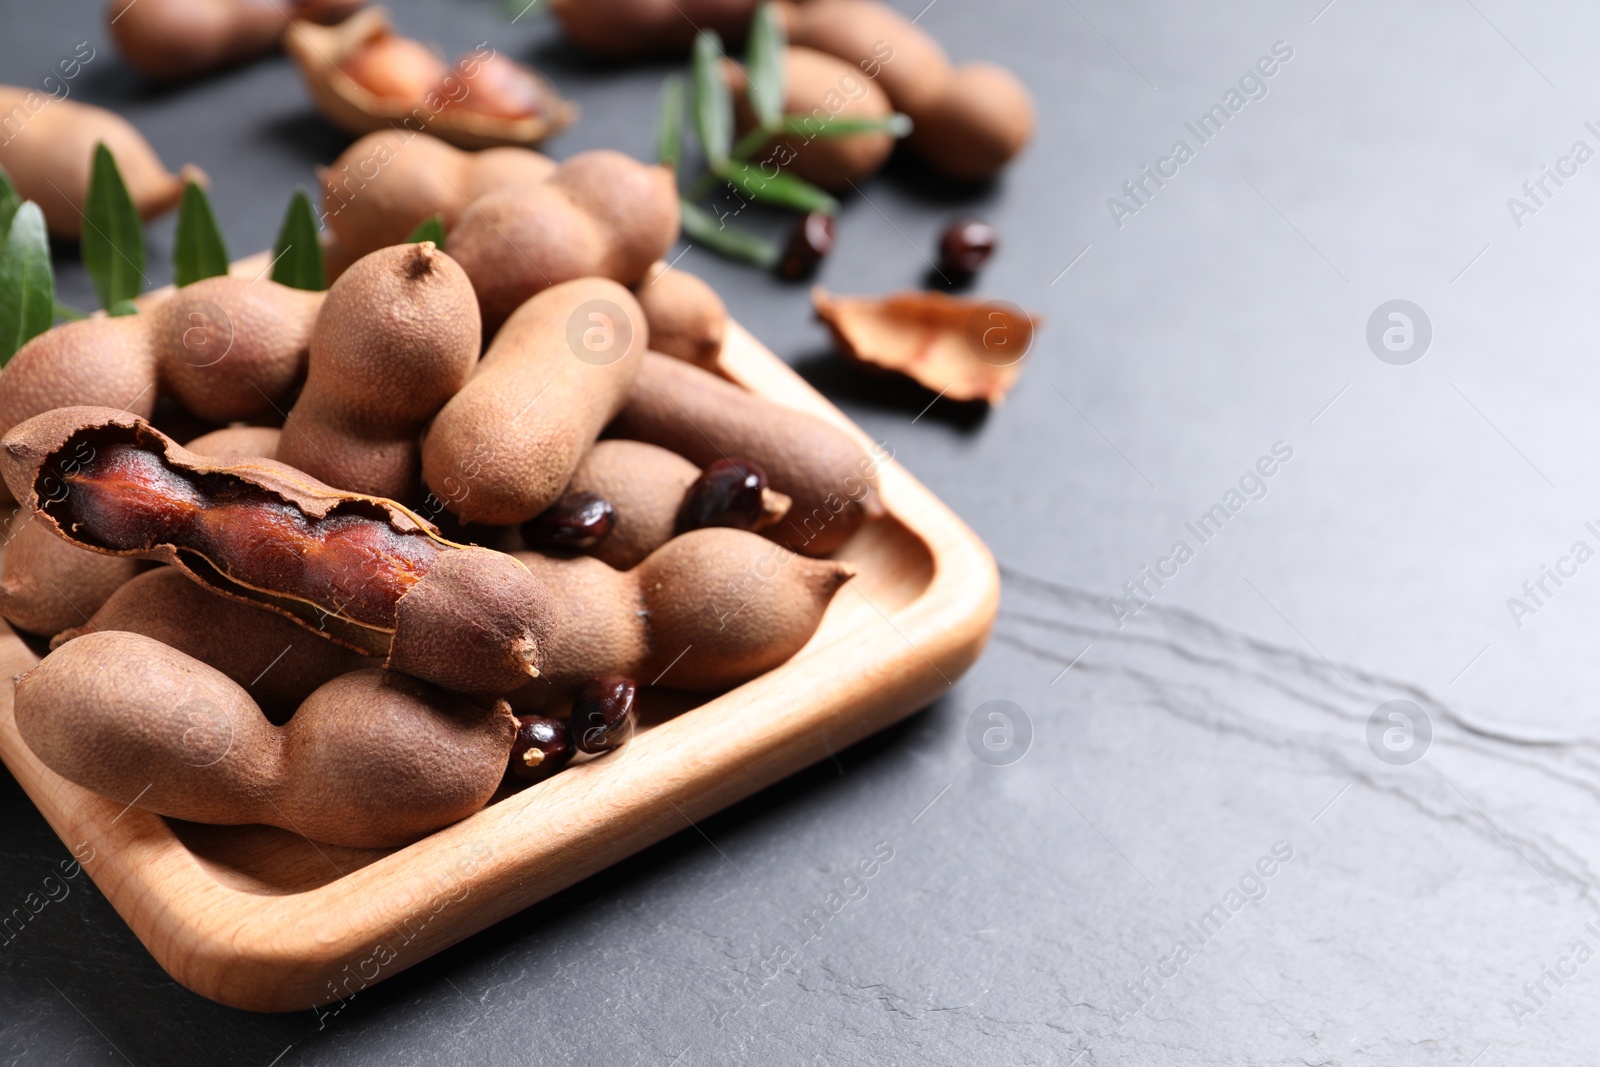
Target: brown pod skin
[398, 336]
[968, 121]
[645, 484]
[49, 585]
[382, 187]
[704, 418]
[708, 610]
[822, 87]
[170, 40]
[687, 318]
[229, 348]
[99, 362]
[621, 29]
[358, 570]
[273, 659]
[237, 442]
[505, 446]
[48, 149]
[371, 759]
[602, 214]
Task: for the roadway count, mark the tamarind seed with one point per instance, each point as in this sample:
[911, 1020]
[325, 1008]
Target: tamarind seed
[540, 749]
[395, 67]
[812, 239]
[964, 247]
[605, 713]
[730, 492]
[576, 521]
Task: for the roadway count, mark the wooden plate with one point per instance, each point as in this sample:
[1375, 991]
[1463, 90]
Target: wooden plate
[262, 919]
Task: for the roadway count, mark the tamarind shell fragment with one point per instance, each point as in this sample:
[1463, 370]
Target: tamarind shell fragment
[361, 571]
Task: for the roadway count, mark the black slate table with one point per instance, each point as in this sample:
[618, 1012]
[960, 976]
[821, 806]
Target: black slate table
[1211, 841]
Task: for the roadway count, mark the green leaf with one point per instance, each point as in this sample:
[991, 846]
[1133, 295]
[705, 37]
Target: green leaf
[113, 237]
[429, 229]
[297, 255]
[780, 188]
[669, 134]
[121, 308]
[764, 64]
[713, 102]
[9, 202]
[197, 248]
[27, 287]
[809, 126]
[707, 229]
[69, 313]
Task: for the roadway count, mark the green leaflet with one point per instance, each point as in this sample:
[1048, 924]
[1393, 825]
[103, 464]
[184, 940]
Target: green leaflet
[764, 65]
[713, 102]
[27, 286]
[297, 255]
[429, 229]
[198, 250]
[113, 235]
[705, 228]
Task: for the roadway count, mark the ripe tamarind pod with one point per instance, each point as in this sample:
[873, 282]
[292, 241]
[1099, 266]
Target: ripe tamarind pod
[237, 442]
[398, 336]
[687, 318]
[967, 121]
[645, 485]
[48, 585]
[830, 479]
[274, 660]
[170, 40]
[361, 571]
[708, 610]
[601, 214]
[371, 759]
[624, 28]
[385, 184]
[48, 149]
[821, 88]
[505, 446]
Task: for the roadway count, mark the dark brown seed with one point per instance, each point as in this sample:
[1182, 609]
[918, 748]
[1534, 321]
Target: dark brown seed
[603, 716]
[727, 493]
[811, 241]
[576, 521]
[965, 247]
[540, 749]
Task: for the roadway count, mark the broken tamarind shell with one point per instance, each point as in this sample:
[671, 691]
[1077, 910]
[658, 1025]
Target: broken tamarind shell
[362, 571]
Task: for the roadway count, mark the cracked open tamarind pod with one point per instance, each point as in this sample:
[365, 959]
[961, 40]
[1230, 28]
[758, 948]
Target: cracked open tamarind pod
[709, 609]
[371, 759]
[48, 149]
[277, 662]
[831, 480]
[362, 571]
[601, 214]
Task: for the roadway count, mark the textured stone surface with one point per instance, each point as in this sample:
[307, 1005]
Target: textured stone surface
[1227, 314]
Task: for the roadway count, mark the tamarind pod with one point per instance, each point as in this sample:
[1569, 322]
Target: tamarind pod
[978, 124]
[601, 214]
[47, 148]
[704, 418]
[237, 442]
[687, 318]
[49, 585]
[361, 571]
[397, 337]
[621, 29]
[505, 446]
[385, 184]
[645, 484]
[273, 659]
[371, 759]
[708, 610]
[174, 39]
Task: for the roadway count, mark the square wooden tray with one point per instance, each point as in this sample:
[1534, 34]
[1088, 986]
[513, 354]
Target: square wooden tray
[262, 919]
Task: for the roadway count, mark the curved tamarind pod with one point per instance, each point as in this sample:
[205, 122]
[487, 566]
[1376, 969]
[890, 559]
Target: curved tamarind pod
[371, 759]
[276, 661]
[704, 418]
[645, 485]
[623, 28]
[505, 446]
[687, 318]
[708, 610]
[48, 150]
[49, 585]
[385, 184]
[170, 40]
[361, 571]
[601, 214]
